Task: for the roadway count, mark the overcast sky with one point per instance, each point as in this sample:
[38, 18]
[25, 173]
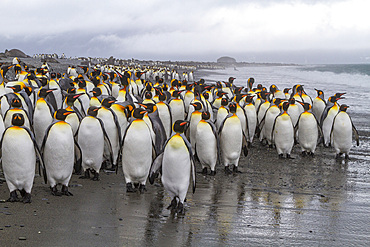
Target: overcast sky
[289, 31]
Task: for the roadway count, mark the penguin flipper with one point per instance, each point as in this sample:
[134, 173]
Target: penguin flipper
[78, 157]
[356, 134]
[107, 141]
[193, 171]
[155, 168]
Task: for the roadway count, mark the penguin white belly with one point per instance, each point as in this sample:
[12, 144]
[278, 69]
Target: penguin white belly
[206, 145]
[165, 117]
[176, 168]
[342, 133]
[243, 120]
[41, 120]
[195, 118]
[307, 132]
[59, 154]
[112, 132]
[18, 159]
[91, 141]
[74, 121]
[221, 115]
[121, 116]
[294, 111]
[189, 97]
[271, 114]
[231, 141]
[262, 110]
[327, 125]
[250, 112]
[318, 107]
[283, 134]
[4, 105]
[137, 153]
[177, 110]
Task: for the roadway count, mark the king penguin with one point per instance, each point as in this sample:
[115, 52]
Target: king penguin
[231, 139]
[207, 145]
[341, 133]
[91, 137]
[137, 152]
[327, 117]
[177, 165]
[18, 152]
[282, 132]
[308, 130]
[58, 151]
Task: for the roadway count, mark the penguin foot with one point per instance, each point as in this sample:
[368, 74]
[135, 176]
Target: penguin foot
[235, 170]
[289, 157]
[337, 157]
[304, 153]
[86, 175]
[213, 173]
[227, 170]
[55, 192]
[13, 197]
[249, 144]
[104, 165]
[65, 191]
[173, 204]
[113, 168]
[26, 198]
[245, 151]
[271, 146]
[204, 171]
[130, 188]
[346, 157]
[180, 209]
[142, 188]
[96, 177]
[281, 156]
[312, 154]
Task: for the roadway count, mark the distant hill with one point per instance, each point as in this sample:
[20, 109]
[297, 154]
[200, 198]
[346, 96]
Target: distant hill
[226, 59]
[15, 53]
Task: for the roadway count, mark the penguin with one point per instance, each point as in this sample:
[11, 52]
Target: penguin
[282, 132]
[18, 153]
[327, 117]
[231, 140]
[308, 130]
[276, 93]
[91, 137]
[164, 112]
[318, 104]
[111, 124]
[341, 133]
[97, 97]
[137, 150]
[43, 115]
[177, 107]
[207, 144]
[250, 112]
[58, 152]
[177, 165]
[196, 116]
[222, 112]
[74, 118]
[295, 109]
[268, 121]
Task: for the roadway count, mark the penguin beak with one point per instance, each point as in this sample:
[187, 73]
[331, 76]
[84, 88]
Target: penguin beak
[145, 106]
[67, 113]
[183, 123]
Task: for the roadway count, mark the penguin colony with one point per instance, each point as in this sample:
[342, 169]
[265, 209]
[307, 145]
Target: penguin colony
[151, 122]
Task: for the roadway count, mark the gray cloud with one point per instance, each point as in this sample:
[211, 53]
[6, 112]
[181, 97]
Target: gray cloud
[190, 30]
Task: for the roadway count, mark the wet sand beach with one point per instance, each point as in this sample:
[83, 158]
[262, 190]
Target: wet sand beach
[307, 201]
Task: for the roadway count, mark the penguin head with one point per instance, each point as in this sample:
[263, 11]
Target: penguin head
[250, 82]
[343, 107]
[61, 114]
[319, 92]
[179, 126]
[17, 119]
[249, 98]
[286, 90]
[176, 94]
[232, 107]
[273, 88]
[149, 107]
[292, 101]
[16, 88]
[220, 93]
[93, 111]
[162, 97]
[138, 113]
[71, 98]
[276, 101]
[148, 95]
[206, 115]
[107, 102]
[81, 83]
[197, 106]
[16, 103]
[206, 95]
[285, 106]
[306, 106]
[224, 102]
[71, 90]
[96, 91]
[231, 79]
[338, 95]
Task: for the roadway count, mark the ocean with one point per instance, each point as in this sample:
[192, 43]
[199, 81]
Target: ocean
[354, 79]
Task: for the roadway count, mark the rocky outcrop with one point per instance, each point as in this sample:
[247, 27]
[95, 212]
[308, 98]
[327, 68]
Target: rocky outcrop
[226, 59]
[15, 53]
